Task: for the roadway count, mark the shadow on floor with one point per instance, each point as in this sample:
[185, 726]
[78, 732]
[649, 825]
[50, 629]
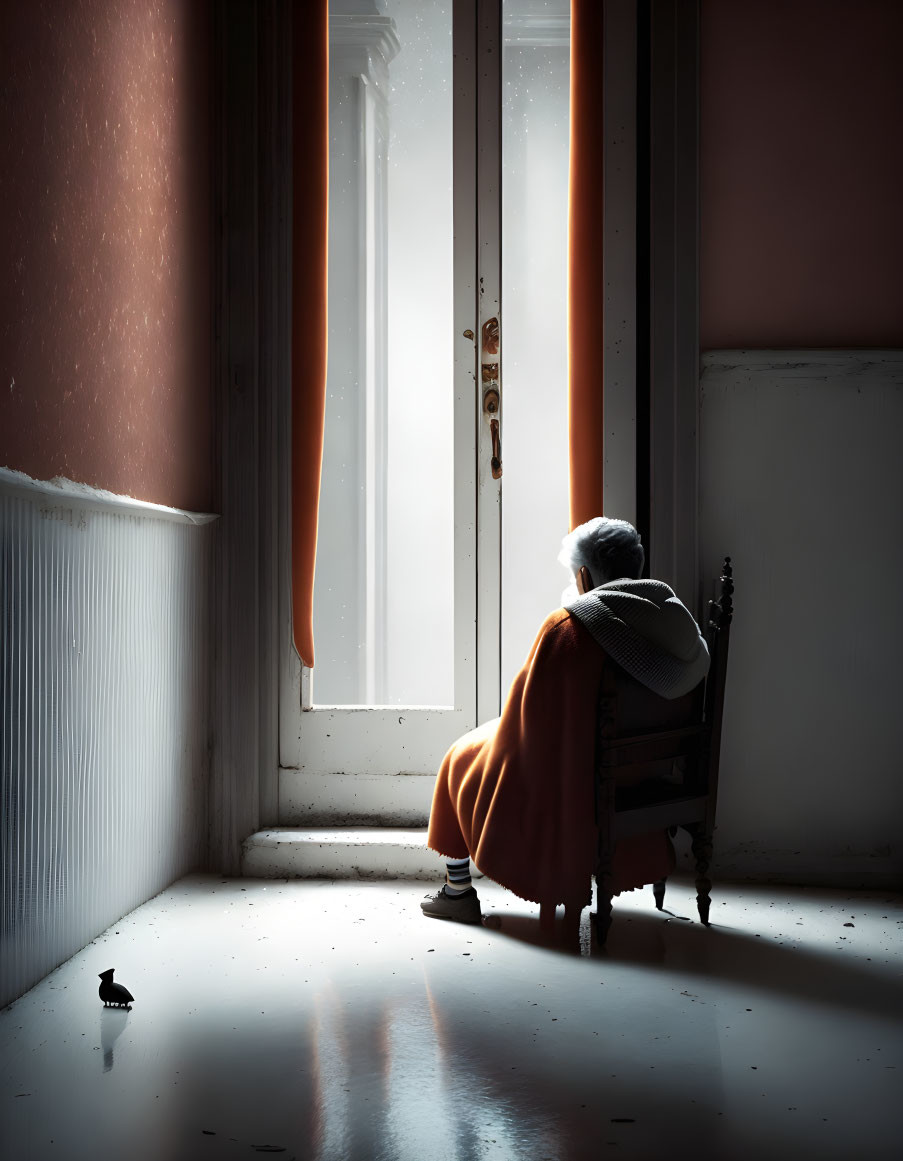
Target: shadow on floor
[758, 960]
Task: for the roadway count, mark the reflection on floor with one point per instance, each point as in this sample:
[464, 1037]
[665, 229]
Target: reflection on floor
[332, 1021]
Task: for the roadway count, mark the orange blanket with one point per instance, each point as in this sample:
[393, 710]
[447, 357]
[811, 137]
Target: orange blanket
[516, 794]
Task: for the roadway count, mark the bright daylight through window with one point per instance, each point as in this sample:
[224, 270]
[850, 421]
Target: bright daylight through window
[384, 597]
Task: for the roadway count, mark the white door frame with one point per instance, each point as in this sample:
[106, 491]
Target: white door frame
[638, 471]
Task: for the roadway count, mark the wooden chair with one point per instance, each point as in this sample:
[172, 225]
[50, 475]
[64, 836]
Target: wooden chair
[657, 762]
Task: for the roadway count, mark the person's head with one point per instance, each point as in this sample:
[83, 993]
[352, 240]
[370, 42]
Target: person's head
[608, 549]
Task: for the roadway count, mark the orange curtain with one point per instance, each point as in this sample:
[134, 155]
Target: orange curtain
[310, 163]
[585, 284]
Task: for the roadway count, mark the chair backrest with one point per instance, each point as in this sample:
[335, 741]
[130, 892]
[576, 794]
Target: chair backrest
[643, 738]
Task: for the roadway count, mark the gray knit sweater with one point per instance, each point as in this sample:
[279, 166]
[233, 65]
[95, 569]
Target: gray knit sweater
[650, 632]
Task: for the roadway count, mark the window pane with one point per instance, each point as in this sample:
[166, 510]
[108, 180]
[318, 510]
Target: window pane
[535, 88]
[383, 608]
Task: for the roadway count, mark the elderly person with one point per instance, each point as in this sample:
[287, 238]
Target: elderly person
[516, 793]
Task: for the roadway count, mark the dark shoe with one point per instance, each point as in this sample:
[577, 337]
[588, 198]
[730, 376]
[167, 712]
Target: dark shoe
[464, 908]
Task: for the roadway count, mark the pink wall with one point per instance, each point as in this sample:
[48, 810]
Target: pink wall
[105, 243]
[801, 173]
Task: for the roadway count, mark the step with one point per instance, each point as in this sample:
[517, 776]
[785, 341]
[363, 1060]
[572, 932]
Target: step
[370, 852]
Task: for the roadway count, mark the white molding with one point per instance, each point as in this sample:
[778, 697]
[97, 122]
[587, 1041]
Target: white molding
[377, 32]
[63, 493]
[364, 45]
[806, 363]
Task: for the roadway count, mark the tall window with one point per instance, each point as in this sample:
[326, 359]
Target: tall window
[385, 615]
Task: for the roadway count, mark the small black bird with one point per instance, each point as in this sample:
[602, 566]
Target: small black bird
[113, 995]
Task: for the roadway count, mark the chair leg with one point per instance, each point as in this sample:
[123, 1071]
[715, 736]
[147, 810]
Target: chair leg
[658, 890]
[572, 913]
[546, 916]
[603, 908]
[605, 880]
[702, 852]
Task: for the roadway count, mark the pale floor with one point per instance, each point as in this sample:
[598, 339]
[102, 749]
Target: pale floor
[331, 1021]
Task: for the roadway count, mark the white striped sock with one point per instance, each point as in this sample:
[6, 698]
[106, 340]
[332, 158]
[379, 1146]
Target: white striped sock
[457, 876]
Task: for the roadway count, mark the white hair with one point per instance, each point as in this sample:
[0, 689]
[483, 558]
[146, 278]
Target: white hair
[609, 548]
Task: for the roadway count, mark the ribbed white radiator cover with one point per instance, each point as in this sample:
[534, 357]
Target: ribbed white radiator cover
[105, 699]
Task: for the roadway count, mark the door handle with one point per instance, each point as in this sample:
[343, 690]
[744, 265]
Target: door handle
[496, 462]
[490, 336]
[489, 368]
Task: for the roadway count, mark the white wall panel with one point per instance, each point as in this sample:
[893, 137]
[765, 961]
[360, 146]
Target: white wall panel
[104, 688]
[801, 483]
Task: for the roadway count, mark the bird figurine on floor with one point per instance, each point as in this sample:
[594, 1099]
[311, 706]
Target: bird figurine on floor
[113, 995]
